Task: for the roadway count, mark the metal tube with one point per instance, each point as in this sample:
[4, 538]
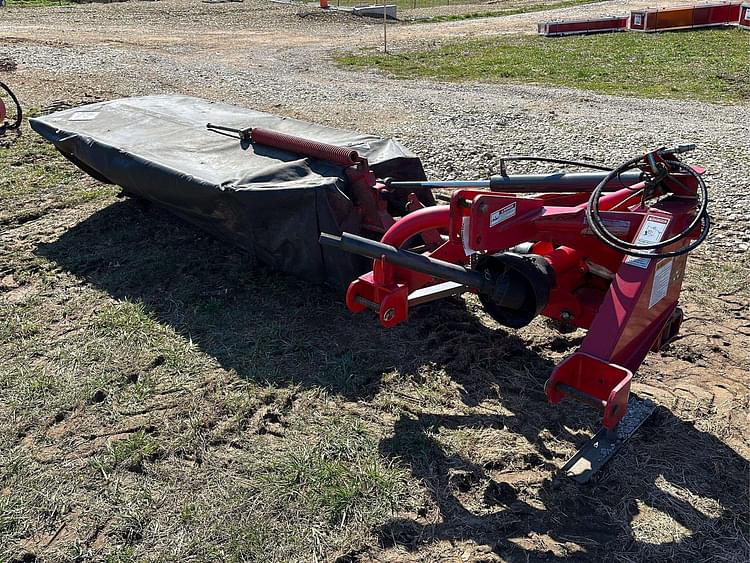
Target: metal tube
[344, 156]
[509, 294]
[418, 262]
[412, 224]
[527, 183]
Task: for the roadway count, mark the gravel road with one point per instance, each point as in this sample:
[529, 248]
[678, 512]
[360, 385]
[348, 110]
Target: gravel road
[278, 58]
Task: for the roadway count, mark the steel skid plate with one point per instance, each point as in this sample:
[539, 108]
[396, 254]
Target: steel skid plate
[604, 444]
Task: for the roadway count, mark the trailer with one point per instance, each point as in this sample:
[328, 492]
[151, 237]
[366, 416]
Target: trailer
[685, 17]
[557, 28]
[744, 21]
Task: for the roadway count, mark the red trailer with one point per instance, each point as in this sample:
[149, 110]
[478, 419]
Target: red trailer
[557, 28]
[685, 17]
[744, 22]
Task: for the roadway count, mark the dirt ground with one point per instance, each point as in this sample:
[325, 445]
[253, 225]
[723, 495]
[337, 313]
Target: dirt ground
[163, 397]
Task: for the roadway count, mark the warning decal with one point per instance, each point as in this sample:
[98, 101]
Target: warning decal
[83, 116]
[652, 231]
[497, 217]
[662, 275]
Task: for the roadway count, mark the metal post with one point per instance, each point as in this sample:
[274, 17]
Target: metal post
[385, 29]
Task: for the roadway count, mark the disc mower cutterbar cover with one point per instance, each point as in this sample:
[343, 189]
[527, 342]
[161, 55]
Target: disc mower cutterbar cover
[270, 202]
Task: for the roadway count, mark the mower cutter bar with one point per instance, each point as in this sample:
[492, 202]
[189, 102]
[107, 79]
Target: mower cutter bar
[600, 448]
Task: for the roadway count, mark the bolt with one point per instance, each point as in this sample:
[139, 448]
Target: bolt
[389, 314]
[566, 315]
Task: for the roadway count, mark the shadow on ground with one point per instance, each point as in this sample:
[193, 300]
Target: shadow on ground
[269, 327]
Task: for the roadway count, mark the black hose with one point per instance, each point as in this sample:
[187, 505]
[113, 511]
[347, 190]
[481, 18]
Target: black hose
[19, 112]
[640, 249]
[504, 172]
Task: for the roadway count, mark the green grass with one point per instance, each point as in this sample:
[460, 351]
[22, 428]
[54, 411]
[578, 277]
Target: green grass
[711, 65]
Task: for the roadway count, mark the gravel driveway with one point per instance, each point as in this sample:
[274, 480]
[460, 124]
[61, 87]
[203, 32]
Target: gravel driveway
[277, 58]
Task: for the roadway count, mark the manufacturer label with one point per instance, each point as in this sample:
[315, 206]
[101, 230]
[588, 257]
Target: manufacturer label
[83, 116]
[503, 214]
[747, 14]
[637, 19]
[662, 276]
[651, 232]
[614, 226]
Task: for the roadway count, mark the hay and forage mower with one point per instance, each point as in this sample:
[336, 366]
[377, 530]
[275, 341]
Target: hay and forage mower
[603, 250]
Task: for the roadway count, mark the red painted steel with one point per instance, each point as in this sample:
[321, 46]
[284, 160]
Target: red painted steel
[685, 17]
[367, 194]
[3, 112]
[343, 156]
[416, 223]
[628, 305]
[582, 26]
[744, 21]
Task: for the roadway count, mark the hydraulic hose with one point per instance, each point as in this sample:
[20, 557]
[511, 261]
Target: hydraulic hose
[643, 250]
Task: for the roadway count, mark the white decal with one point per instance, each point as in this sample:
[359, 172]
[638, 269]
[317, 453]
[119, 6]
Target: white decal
[637, 19]
[497, 217]
[465, 236]
[651, 232]
[83, 116]
[660, 288]
[747, 14]
[614, 226]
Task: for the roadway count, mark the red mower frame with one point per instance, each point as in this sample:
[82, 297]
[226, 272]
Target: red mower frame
[602, 252]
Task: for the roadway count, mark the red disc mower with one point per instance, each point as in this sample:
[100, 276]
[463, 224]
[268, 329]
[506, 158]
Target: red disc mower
[603, 250]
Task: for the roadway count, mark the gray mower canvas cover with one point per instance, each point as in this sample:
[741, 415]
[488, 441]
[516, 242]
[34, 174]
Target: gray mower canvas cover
[270, 202]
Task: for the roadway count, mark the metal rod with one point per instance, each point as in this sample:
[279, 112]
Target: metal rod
[503, 289]
[418, 262]
[385, 29]
[527, 183]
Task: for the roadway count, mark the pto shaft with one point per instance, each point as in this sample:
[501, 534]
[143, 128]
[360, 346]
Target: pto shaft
[505, 290]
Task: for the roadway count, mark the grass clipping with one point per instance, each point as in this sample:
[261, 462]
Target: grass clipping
[710, 65]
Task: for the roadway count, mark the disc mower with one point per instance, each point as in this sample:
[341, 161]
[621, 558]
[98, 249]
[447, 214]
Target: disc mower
[603, 250]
